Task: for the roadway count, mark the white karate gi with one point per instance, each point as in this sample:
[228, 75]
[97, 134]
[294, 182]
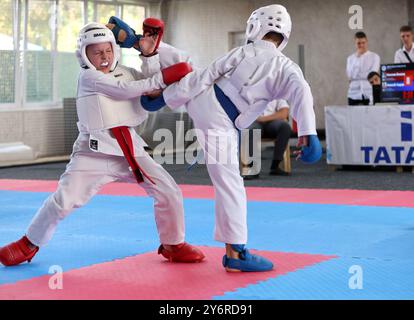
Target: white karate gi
[251, 76]
[88, 169]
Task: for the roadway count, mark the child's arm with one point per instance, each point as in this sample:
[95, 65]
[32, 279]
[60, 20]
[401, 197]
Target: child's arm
[245, 120]
[376, 63]
[296, 90]
[92, 81]
[286, 82]
[349, 69]
[150, 65]
[298, 93]
[197, 81]
[167, 56]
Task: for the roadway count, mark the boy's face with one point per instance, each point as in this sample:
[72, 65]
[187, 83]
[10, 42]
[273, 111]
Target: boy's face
[101, 56]
[407, 38]
[361, 44]
[375, 80]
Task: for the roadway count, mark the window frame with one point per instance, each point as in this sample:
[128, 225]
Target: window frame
[20, 18]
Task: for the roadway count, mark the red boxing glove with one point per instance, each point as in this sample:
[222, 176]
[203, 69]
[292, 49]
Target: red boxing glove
[175, 72]
[153, 27]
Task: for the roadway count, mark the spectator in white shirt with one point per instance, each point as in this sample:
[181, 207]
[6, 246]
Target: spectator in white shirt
[406, 53]
[274, 126]
[359, 65]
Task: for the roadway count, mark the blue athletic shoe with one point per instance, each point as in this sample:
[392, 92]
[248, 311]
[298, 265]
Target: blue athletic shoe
[247, 262]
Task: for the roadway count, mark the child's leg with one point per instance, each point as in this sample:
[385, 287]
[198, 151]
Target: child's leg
[219, 140]
[168, 210]
[84, 176]
[168, 200]
[219, 136]
[230, 194]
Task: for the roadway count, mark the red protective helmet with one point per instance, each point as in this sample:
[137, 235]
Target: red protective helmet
[154, 26]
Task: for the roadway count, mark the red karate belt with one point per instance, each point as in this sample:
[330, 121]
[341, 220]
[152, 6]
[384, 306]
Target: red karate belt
[123, 136]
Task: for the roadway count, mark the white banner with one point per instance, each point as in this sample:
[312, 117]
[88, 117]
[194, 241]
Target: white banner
[370, 135]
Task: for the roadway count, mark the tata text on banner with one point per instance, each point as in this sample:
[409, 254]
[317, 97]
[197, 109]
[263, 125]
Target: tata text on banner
[370, 135]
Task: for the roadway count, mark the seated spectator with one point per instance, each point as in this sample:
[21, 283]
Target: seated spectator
[375, 80]
[406, 53]
[274, 125]
[359, 65]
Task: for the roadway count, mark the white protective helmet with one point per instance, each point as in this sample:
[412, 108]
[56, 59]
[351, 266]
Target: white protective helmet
[267, 19]
[95, 33]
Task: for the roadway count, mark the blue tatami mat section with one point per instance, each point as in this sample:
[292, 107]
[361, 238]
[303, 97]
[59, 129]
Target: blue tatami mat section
[378, 239]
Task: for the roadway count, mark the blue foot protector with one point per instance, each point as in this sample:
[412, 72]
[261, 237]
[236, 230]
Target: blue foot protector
[121, 25]
[247, 262]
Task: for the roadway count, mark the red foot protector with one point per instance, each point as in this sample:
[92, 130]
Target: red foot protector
[182, 252]
[17, 252]
[146, 277]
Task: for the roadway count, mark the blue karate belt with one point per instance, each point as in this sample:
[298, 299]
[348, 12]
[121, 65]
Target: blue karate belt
[227, 105]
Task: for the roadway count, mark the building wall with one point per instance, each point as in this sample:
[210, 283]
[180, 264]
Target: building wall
[202, 28]
[410, 12]
[42, 130]
[322, 27]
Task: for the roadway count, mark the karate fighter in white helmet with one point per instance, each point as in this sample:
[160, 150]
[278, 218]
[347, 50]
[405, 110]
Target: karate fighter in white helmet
[229, 95]
[108, 149]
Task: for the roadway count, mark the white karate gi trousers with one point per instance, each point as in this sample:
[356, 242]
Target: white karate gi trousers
[218, 136]
[88, 171]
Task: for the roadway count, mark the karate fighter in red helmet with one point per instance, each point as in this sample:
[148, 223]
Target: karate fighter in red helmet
[108, 149]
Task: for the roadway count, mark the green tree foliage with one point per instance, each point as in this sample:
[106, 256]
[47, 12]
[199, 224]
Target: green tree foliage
[39, 23]
[70, 21]
[39, 64]
[6, 18]
[7, 58]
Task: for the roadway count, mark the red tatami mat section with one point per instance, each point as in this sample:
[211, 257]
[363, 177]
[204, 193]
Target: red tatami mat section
[319, 196]
[148, 276]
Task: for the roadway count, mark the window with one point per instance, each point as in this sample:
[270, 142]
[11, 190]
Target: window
[7, 52]
[38, 39]
[70, 21]
[38, 60]
[134, 16]
[104, 11]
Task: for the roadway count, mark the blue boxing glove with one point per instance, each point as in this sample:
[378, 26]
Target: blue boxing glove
[313, 151]
[153, 104]
[131, 36]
